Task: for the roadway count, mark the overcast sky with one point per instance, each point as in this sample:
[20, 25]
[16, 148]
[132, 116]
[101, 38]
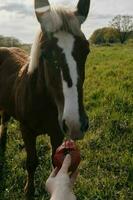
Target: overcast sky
[17, 17]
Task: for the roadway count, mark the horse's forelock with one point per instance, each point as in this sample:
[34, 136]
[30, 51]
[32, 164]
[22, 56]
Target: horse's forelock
[61, 19]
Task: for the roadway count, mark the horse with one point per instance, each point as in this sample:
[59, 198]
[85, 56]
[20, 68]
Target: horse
[44, 91]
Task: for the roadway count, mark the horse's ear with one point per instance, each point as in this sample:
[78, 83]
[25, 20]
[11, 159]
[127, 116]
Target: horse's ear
[49, 20]
[82, 10]
[41, 7]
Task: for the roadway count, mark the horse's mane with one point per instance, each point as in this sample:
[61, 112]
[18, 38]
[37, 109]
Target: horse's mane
[53, 21]
[35, 52]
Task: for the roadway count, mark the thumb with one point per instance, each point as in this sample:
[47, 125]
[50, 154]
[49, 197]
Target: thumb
[66, 164]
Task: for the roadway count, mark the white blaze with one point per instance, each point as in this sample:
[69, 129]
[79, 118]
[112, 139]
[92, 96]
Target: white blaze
[71, 107]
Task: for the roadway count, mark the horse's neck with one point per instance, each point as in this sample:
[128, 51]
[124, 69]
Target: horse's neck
[31, 94]
[37, 79]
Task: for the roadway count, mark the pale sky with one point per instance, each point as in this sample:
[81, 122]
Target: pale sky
[17, 17]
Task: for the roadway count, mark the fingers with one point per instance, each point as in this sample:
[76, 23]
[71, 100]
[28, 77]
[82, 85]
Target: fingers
[54, 172]
[66, 164]
[74, 176]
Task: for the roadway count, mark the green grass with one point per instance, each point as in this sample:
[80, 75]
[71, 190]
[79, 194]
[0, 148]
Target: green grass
[106, 169]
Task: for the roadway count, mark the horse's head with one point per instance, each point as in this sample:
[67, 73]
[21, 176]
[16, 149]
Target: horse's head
[65, 50]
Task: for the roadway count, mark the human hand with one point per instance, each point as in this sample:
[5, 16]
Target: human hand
[60, 181]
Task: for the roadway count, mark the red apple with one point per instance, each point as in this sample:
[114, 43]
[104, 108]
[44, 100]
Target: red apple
[67, 147]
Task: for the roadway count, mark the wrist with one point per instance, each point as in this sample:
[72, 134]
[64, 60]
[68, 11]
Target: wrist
[63, 195]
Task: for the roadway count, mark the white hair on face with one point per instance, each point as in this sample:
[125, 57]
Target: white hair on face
[71, 107]
[35, 53]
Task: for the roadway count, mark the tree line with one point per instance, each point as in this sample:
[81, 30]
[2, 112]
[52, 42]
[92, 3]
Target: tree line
[120, 29]
[9, 41]
[13, 42]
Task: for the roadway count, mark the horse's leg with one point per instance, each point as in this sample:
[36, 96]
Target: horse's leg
[3, 130]
[3, 135]
[31, 161]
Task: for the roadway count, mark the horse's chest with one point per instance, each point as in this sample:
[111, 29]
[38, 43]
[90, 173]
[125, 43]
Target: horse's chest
[44, 119]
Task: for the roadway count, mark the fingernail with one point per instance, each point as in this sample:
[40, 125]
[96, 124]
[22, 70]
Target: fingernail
[68, 156]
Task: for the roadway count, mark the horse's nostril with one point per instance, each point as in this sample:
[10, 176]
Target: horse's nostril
[85, 126]
[65, 128]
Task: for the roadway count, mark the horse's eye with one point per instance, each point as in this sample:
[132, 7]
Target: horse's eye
[53, 54]
[55, 62]
[57, 67]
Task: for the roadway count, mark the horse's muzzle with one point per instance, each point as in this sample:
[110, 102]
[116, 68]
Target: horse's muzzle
[76, 132]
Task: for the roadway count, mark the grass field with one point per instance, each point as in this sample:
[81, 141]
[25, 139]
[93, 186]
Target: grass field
[106, 170]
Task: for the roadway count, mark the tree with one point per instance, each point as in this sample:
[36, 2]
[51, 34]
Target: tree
[123, 24]
[104, 35]
[97, 37]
